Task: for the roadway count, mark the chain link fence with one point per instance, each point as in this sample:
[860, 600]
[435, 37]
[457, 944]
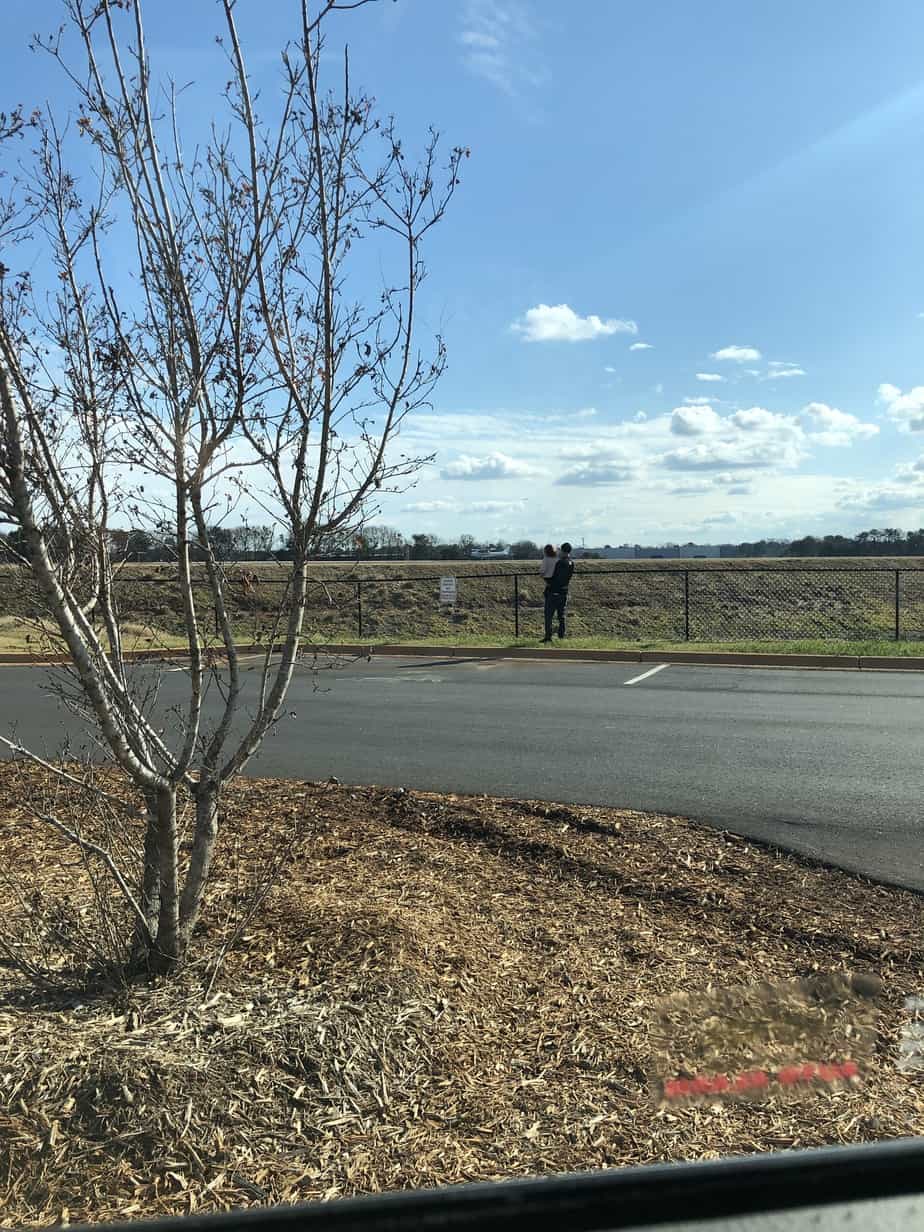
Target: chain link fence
[778, 604]
[719, 604]
[910, 619]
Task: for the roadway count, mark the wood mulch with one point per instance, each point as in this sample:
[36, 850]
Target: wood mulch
[444, 989]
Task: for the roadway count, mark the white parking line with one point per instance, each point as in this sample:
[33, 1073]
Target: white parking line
[644, 676]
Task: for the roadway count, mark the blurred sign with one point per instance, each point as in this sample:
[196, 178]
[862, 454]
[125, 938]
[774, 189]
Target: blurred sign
[447, 590]
[911, 1044]
[796, 1037]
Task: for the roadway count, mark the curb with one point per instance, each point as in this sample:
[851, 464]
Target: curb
[710, 658]
[24, 659]
[911, 663]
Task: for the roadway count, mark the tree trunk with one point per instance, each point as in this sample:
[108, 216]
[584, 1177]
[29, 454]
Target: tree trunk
[150, 892]
[166, 949]
[206, 832]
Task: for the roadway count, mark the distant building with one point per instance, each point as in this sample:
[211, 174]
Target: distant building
[625, 552]
[680, 551]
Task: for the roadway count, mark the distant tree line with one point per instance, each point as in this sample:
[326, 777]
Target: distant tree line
[385, 543]
[240, 543]
[763, 547]
[888, 542]
[134, 545]
[249, 543]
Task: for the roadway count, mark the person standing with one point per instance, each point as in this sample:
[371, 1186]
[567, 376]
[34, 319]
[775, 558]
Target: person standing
[556, 592]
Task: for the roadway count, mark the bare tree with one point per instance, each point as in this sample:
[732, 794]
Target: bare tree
[257, 539]
[262, 539]
[240, 363]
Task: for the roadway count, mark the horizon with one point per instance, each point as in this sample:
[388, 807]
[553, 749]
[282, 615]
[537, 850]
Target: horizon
[874, 535]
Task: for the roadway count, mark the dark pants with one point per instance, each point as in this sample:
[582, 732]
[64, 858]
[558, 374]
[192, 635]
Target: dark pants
[555, 604]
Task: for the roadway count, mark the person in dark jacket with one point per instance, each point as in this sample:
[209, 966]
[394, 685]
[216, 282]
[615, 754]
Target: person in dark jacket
[556, 592]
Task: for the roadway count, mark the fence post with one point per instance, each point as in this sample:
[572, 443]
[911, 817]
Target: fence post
[897, 604]
[359, 608]
[686, 605]
[516, 605]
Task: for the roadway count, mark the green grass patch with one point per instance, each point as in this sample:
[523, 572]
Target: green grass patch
[40, 638]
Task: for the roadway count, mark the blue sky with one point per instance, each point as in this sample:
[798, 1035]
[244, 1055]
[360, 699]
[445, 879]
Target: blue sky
[737, 187]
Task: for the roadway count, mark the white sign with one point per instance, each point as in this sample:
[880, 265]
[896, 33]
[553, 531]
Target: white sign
[447, 590]
[911, 1044]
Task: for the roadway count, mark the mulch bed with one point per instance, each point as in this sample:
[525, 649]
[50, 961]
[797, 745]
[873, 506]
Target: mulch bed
[443, 989]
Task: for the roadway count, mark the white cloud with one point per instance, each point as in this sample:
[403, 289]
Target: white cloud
[494, 466]
[779, 368]
[559, 323]
[695, 420]
[709, 376]
[576, 453]
[598, 473]
[880, 498]
[602, 451]
[691, 487]
[431, 506]
[719, 454]
[906, 410]
[493, 65]
[643, 473]
[608, 369]
[737, 354]
[752, 438]
[829, 426]
[641, 346]
[478, 38]
[463, 426]
[494, 506]
[497, 39]
[904, 490]
[759, 419]
[723, 482]
[700, 400]
[718, 519]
